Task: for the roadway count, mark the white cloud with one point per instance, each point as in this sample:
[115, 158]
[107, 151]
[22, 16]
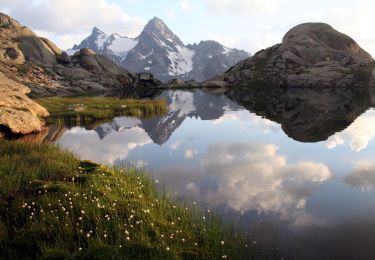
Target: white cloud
[171, 15]
[363, 176]
[246, 119]
[186, 5]
[88, 145]
[240, 7]
[357, 135]
[254, 176]
[71, 17]
[355, 21]
[176, 144]
[190, 153]
[247, 176]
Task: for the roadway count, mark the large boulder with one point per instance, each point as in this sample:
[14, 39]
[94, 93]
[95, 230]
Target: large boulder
[48, 71]
[19, 41]
[18, 113]
[311, 54]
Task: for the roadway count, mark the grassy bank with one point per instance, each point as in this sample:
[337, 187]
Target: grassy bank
[88, 109]
[53, 205]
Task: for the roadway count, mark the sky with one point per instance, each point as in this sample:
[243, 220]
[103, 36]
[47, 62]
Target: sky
[250, 25]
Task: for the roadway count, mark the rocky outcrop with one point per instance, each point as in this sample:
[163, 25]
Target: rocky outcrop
[18, 113]
[48, 71]
[310, 55]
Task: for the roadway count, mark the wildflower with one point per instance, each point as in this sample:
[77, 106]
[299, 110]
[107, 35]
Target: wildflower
[224, 256]
[222, 242]
[167, 248]
[80, 249]
[127, 238]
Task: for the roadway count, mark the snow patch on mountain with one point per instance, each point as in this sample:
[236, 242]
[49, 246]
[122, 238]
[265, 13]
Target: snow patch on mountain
[181, 61]
[122, 45]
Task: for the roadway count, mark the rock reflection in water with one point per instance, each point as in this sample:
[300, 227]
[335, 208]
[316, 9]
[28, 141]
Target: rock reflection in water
[305, 114]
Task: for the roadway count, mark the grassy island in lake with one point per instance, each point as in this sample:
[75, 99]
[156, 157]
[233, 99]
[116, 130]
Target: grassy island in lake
[88, 109]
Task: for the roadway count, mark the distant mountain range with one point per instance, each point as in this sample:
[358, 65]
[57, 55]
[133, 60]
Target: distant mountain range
[159, 51]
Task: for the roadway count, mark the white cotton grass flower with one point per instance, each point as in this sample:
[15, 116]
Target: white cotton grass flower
[222, 242]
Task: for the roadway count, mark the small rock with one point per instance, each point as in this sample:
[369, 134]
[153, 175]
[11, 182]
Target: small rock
[63, 58]
[76, 107]
[215, 84]
[145, 76]
[12, 53]
[86, 52]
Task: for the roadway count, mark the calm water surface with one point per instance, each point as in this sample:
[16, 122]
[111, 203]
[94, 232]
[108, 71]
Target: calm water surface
[296, 167]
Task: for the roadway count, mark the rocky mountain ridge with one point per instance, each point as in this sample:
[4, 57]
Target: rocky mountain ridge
[159, 51]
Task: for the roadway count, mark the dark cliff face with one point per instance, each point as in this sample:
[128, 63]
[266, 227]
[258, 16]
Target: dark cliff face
[305, 114]
[161, 52]
[310, 55]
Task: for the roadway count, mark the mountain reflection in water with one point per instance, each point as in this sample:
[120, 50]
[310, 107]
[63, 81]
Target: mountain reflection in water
[298, 163]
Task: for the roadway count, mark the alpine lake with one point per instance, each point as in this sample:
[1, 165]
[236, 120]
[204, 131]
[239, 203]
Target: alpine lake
[294, 169]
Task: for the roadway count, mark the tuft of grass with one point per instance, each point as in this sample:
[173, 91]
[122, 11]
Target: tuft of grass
[88, 109]
[52, 205]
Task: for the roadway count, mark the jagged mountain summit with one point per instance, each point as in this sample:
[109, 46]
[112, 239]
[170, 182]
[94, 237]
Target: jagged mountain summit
[159, 51]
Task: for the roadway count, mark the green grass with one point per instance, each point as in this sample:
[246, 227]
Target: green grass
[99, 108]
[54, 206]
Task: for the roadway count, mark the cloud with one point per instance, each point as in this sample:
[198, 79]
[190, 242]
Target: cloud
[190, 153]
[363, 176]
[72, 17]
[176, 144]
[246, 119]
[240, 7]
[114, 147]
[251, 177]
[357, 135]
[186, 5]
[171, 15]
[356, 21]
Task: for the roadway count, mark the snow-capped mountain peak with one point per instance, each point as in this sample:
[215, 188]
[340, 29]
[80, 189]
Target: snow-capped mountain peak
[159, 51]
